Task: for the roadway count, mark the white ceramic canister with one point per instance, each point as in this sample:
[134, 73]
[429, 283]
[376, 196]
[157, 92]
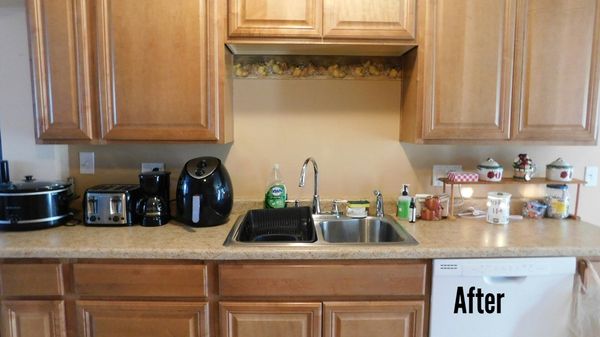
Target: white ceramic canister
[559, 170]
[490, 170]
[498, 207]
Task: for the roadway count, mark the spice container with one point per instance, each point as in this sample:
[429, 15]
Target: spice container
[557, 199]
[534, 209]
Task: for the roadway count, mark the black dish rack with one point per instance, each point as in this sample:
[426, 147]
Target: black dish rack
[278, 225]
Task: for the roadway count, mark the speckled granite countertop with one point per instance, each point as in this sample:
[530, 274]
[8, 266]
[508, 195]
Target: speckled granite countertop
[442, 239]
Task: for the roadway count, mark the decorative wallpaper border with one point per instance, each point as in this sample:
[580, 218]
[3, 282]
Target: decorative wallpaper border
[316, 67]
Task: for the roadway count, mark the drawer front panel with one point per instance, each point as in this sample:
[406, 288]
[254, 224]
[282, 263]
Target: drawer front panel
[31, 279]
[322, 280]
[135, 280]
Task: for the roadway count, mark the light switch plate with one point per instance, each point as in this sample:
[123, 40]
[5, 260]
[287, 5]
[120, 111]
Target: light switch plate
[441, 171]
[87, 163]
[148, 167]
[591, 176]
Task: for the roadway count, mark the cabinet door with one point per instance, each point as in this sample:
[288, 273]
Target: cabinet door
[381, 319]
[369, 19]
[252, 319]
[468, 69]
[557, 75]
[33, 319]
[61, 69]
[275, 18]
[142, 319]
[153, 71]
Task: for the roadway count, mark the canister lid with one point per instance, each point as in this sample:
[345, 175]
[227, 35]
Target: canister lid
[558, 187]
[489, 164]
[499, 195]
[559, 164]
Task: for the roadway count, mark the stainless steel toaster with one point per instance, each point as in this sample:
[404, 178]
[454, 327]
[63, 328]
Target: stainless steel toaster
[111, 205]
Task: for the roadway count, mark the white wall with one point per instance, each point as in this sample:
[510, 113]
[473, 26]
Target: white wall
[48, 162]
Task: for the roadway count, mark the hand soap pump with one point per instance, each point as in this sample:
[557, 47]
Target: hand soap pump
[404, 204]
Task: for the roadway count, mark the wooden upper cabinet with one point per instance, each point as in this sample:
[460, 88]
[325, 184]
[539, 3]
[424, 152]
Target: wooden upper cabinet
[153, 70]
[556, 82]
[369, 19]
[468, 61]
[61, 69]
[142, 319]
[270, 319]
[275, 18]
[33, 319]
[381, 319]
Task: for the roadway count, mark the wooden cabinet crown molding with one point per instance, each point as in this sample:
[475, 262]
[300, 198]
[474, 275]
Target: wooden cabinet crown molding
[61, 69]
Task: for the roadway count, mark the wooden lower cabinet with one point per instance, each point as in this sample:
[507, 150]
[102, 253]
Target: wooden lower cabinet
[33, 319]
[142, 319]
[380, 319]
[270, 319]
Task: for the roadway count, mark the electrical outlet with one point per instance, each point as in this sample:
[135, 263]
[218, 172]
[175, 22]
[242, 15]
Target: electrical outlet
[441, 171]
[148, 167]
[591, 176]
[86, 163]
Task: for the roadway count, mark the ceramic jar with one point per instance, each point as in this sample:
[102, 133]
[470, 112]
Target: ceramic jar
[490, 170]
[524, 168]
[559, 170]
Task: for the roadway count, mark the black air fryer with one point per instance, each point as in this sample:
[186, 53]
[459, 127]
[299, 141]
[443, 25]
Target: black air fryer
[204, 193]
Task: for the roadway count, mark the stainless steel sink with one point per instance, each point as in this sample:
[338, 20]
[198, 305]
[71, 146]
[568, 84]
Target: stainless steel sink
[372, 230]
[334, 230]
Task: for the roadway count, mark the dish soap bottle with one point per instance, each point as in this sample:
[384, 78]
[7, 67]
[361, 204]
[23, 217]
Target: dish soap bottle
[404, 204]
[276, 191]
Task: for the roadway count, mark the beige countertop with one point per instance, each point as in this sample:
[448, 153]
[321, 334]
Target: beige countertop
[442, 239]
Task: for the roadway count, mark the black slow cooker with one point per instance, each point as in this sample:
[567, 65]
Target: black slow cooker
[33, 204]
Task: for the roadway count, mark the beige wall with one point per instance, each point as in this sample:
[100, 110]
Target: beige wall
[16, 108]
[350, 127]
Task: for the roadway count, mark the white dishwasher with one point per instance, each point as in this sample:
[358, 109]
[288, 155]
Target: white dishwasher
[508, 297]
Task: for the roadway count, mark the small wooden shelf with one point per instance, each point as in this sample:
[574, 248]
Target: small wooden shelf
[513, 181]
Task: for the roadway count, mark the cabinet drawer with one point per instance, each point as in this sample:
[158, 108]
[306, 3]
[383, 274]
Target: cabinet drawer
[322, 280]
[31, 279]
[137, 280]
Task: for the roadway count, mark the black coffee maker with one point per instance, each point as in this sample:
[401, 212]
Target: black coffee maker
[153, 206]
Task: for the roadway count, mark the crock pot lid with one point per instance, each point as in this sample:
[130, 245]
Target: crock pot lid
[32, 186]
[489, 164]
[560, 164]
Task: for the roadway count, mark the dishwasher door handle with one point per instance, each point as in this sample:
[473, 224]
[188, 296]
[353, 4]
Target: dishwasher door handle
[504, 279]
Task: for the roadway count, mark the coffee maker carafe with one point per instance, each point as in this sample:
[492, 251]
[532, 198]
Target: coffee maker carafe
[153, 206]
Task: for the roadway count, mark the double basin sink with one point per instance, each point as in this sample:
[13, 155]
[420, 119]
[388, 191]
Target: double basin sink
[298, 227]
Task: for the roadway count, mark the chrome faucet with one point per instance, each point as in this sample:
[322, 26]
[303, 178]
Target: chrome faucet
[316, 203]
[378, 203]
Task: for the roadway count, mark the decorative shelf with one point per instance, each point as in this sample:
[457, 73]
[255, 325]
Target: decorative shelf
[513, 181]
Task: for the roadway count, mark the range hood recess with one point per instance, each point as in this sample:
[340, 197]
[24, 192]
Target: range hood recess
[317, 48]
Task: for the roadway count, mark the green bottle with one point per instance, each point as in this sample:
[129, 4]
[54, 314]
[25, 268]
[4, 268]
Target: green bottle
[276, 194]
[404, 204]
